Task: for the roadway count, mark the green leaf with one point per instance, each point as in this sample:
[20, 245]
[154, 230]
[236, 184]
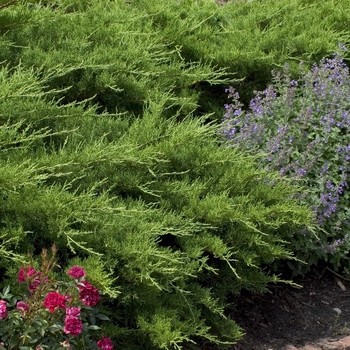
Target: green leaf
[102, 317]
[94, 327]
[6, 291]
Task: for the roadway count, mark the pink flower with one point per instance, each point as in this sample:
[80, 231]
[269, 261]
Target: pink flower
[105, 344]
[29, 274]
[76, 272]
[73, 311]
[72, 326]
[54, 300]
[34, 285]
[3, 309]
[23, 307]
[25, 273]
[88, 294]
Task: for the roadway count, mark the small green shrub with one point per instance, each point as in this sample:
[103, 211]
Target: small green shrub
[51, 314]
[116, 58]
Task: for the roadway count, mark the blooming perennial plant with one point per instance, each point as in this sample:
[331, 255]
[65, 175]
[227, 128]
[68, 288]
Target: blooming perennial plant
[105, 343]
[53, 315]
[302, 129]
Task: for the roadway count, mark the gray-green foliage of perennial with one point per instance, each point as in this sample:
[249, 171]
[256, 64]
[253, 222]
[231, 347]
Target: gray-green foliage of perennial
[301, 129]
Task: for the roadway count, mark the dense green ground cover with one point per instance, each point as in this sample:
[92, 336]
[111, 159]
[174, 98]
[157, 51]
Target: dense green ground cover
[106, 149]
[192, 49]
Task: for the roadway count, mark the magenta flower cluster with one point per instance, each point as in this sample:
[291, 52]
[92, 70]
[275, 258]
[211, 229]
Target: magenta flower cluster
[30, 275]
[76, 272]
[105, 344]
[72, 323]
[3, 309]
[53, 301]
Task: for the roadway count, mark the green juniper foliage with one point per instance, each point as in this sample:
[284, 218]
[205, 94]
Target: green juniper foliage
[160, 215]
[102, 152]
[250, 38]
[123, 52]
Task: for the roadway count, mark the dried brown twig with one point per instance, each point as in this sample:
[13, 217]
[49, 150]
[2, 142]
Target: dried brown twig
[7, 4]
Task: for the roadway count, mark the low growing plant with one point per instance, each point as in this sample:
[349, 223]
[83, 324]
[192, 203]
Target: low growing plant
[166, 223]
[302, 129]
[51, 314]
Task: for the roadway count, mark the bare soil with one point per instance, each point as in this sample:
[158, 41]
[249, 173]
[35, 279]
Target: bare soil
[288, 315]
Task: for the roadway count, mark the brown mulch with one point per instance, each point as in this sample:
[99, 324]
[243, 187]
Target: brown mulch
[288, 315]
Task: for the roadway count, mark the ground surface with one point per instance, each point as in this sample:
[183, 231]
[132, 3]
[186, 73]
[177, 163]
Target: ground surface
[294, 316]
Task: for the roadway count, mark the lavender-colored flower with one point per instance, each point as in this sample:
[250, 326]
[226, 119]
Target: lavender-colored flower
[301, 172]
[332, 247]
[302, 129]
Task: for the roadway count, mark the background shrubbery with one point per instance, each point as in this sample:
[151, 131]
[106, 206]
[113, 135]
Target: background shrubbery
[192, 49]
[107, 149]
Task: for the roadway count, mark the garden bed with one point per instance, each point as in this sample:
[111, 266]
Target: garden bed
[288, 315]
